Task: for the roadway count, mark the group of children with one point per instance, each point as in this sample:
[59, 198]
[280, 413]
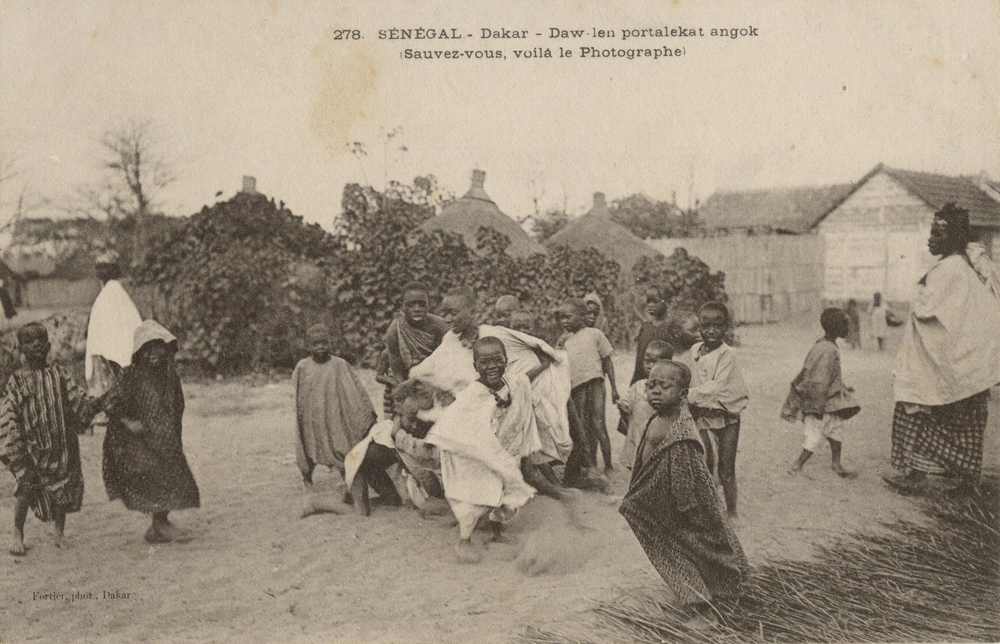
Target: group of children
[479, 417]
[44, 410]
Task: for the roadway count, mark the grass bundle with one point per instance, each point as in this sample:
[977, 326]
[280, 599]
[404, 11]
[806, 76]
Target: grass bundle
[909, 583]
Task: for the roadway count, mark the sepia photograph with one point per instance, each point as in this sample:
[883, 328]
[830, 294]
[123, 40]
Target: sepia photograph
[550, 322]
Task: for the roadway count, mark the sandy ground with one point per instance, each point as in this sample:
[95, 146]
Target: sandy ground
[255, 572]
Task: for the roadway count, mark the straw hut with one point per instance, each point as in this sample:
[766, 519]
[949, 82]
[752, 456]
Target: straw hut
[476, 210]
[599, 231]
[789, 211]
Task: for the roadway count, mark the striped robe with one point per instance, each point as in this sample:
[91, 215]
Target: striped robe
[42, 412]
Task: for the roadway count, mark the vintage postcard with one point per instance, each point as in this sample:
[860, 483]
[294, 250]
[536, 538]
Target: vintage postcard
[520, 322]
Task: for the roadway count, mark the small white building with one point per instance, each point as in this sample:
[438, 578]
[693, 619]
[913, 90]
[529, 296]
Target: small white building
[875, 239]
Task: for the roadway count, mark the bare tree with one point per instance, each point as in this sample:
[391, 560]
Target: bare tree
[136, 174]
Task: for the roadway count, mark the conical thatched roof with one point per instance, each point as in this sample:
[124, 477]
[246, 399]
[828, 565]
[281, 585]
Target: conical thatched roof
[599, 231]
[474, 210]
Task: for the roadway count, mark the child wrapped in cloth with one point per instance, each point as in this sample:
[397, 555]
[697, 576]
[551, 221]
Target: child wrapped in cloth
[144, 463]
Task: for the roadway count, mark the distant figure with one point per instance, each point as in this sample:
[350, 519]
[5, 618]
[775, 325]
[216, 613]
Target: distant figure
[144, 463]
[503, 309]
[41, 414]
[634, 408]
[595, 313]
[656, 328]
[819, 396]
[113, 321]
[7, 302]
[949, 360]
[412, 336]
[333, 410]
[718, 394]
[880, 322]
[673, 507]
[854, 324]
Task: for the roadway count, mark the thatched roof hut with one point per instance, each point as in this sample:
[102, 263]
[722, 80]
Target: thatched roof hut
[599, 231]
[474, 210]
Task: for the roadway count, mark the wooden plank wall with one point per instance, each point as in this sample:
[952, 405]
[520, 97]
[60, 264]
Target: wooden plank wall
[768, 277]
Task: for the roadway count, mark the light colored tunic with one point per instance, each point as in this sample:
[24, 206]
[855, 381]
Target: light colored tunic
[951, 349]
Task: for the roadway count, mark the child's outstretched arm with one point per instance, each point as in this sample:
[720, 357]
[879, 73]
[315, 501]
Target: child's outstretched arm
[83, 406]
[545, 360]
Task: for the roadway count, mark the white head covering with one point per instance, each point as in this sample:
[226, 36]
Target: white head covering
[149, 331]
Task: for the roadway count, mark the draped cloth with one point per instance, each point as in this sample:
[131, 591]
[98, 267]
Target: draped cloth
[819, 388]
[549, 390]
[333, 413]
[41, 414]
[481, 445]
[147, 470]
[405, 346]
[113, 321]
[675, 512]
[949, 359]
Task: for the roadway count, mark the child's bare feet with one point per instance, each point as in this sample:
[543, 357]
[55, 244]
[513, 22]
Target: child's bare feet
[359, 492]
[313, 506]
[795, 469]
[60, 541]
[435, 508]
[842, 473]
[17, 547]
[153, 535]
[467, 553]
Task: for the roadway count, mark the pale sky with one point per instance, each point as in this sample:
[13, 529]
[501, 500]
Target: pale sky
[823, 93]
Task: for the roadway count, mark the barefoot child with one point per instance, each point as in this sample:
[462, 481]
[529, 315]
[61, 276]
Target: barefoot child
[672, 504]
[42, 412]
[144, 463]
[589, 362]
[634, 407]
[819, 397]
[718, 394]
[333, 410]
[483, 438]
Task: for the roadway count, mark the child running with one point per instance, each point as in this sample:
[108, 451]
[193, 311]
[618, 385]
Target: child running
[718, 394]
[819, 396]
[672, 504]
[333, 410]
[144, 463]
[589, 362]
[634, 407]
[42, 412]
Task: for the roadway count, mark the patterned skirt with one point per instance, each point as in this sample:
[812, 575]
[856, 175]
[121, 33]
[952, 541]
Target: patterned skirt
[948, 436]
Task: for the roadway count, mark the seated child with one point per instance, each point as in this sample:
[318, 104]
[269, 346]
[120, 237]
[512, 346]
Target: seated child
[672, 504]
[635, 409]
[589, 354]
[718, 394]
[819, 396]
[412, 336]
[421, 460]
[42, 412]
[333, 410]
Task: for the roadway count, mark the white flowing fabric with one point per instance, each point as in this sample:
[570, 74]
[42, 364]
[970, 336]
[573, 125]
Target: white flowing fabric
[113, 321]
[952, 346]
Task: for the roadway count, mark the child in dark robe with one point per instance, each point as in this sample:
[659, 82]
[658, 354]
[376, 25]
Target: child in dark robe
[144, 463]
[42, 413]
[656, 328]
[672, 504]
[412, 336]
[333, 410]
[819, 396]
